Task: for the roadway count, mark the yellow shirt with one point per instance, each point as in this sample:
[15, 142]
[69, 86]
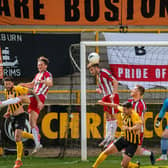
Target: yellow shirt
[130, 120]
[16, 91]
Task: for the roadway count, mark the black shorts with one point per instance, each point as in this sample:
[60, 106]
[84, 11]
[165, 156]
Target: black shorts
[18, 122]
[130, 148]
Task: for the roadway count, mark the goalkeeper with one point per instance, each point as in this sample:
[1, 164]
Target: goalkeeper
[164, 139]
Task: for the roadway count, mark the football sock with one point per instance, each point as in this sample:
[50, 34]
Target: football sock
[19, 146]
[100, 159]
[132, 165]
[112, 128]
[35, 132]
[146, 152]
[1, 151]
[27, 135]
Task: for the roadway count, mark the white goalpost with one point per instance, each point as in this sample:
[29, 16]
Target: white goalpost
[83, 46]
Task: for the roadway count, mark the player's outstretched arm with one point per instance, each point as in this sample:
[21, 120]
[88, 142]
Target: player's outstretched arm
[102, 103]
[28, 85]
[136, 127]
[98, 90]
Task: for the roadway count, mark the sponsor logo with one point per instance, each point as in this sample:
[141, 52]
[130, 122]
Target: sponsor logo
[10, 63]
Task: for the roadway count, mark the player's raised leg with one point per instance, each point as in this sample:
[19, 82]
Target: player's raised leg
[110, 150]
[33, 116]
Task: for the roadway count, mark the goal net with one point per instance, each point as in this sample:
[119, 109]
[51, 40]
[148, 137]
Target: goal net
[148, 68]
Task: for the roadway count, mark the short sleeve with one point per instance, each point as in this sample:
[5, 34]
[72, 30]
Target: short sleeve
[21, 90]
[48, 75]
[107, 74]
[141, 108]
[136, 118]
[120, 108]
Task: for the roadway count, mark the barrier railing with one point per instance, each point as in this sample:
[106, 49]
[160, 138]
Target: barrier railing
[77, 92]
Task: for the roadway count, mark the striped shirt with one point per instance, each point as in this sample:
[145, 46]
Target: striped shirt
[105, 79]
[41, 88]
[15, 92]
[140, 107]
[132, 136]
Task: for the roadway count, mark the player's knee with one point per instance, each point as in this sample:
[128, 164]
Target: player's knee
[17, 137]
[165, 133]
[124, 164]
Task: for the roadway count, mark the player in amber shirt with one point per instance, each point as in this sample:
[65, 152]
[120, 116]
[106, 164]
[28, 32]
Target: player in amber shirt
[17, 115]
[129, 139]
[40, 84]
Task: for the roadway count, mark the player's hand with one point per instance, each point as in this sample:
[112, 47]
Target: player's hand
[40, 105]
[100, 102]
[125, 127]
[157, 124]
[112, 96]
[98, 90]
[42, 81]
[21, 84]
[6, 115]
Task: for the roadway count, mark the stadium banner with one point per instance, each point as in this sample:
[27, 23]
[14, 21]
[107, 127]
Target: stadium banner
[19, 53]
[147, 66]
[83, 12]
[53, 126]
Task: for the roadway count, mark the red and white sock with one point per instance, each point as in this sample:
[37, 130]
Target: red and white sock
[35, 132]
[145, 152]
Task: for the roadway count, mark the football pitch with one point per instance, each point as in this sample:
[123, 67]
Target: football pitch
[110, 162]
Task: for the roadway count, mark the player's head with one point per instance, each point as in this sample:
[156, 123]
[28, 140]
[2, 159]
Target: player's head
[8, 82]
[93, 68]
[138, 91]
[127, 107]
[42, 63]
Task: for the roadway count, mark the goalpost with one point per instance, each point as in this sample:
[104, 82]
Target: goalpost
[83, 46]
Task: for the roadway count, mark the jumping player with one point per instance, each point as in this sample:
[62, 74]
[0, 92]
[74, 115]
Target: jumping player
[108, 85]
[17, 115]
[139, 106]
[129, 139]
[42, 81]
[164, 139]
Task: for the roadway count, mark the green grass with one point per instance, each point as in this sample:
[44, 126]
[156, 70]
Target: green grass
[110, 162]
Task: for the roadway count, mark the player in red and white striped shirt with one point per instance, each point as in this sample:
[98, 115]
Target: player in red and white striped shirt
[42, 81]
[139, 106]
[108, 85]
